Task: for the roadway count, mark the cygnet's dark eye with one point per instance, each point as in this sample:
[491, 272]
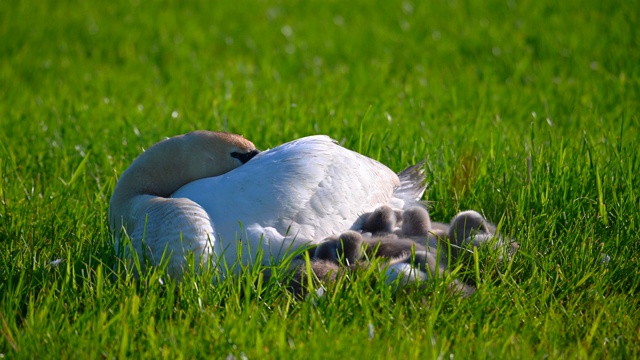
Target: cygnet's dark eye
[244, 157]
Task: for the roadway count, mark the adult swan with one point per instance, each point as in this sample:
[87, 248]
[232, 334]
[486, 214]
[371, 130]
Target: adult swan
[213, 194]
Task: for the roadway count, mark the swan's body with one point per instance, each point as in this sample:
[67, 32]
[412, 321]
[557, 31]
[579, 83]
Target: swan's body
[290, 196]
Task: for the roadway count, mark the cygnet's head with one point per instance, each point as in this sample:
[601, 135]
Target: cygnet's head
[382, 220]
[468, 224]
[416, 222]
[346, 248]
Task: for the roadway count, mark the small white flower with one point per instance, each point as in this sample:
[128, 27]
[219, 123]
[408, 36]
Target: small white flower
[55, 262]
[371, 331]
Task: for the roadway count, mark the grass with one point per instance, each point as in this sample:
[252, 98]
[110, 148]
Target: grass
[526, 111]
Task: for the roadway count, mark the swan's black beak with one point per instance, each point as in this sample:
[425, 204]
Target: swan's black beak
[244, 157]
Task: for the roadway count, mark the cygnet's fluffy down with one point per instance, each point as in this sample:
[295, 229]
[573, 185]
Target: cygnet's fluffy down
[408, 242]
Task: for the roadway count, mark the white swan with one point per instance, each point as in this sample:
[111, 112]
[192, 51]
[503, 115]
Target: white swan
[203, 201]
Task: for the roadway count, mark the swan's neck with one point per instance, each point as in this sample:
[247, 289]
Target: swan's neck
[154, 172]
[158, 172]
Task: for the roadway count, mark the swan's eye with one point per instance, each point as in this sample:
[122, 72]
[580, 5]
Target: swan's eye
[244, 157]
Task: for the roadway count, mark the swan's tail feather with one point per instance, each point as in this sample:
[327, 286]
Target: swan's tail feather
[413, 183]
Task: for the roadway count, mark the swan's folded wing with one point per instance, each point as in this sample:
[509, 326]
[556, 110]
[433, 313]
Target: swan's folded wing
[319, 188]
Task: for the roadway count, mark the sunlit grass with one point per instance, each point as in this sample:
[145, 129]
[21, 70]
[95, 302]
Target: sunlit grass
[525, 111]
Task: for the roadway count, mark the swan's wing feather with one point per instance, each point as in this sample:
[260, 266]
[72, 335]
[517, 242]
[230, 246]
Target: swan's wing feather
[413, 183]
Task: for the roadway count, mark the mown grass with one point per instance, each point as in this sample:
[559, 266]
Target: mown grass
[525, 110]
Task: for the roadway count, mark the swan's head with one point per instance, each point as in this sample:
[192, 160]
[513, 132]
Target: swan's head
[208, 153]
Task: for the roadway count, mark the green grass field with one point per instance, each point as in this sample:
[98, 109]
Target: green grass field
[481, 89]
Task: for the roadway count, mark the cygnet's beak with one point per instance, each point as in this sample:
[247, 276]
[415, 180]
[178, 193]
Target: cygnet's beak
[244, 157]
